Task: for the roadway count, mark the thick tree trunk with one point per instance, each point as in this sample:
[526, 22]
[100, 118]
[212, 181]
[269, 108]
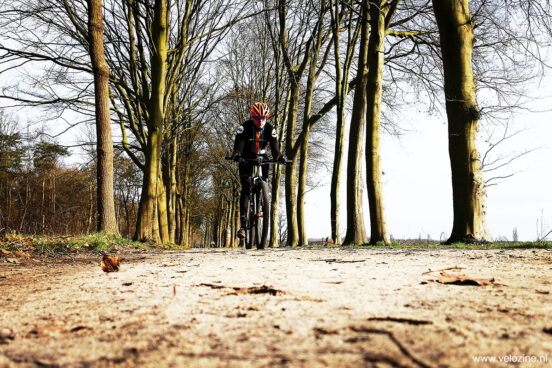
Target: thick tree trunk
[378, 232]
[456, 38]
[155, 124]
[356, 233]
[107, 221]
[144, 225]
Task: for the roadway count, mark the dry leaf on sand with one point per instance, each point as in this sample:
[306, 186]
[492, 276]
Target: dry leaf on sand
[449, 278]
[110, 263]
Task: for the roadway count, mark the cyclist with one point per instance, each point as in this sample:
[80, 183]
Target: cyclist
[251, 140]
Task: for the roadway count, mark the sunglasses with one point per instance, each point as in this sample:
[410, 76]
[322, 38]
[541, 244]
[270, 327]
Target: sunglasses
[260, 118]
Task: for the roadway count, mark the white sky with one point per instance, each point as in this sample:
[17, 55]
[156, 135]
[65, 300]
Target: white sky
[417, 186]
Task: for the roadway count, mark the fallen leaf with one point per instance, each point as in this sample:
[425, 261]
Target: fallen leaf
[256, 290]
[5, 251]
[449, 278]
[12, 260]
[110, 263]
[545, 292]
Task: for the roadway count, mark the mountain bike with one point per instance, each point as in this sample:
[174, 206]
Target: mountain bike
[257, 211]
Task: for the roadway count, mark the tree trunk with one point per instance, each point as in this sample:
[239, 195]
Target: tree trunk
[456, 37]
[144, 225]
[155, 123]
[378, 10]
[356, 233]
[171, 193]
[276, 176]
[302, 183]
[341, 92]
[291, 174]
[339, 140]
[162, 213]
[107, 221]
[228, 227]
[236, 218]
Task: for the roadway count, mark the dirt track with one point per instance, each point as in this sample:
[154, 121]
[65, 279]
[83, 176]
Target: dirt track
[283, 307]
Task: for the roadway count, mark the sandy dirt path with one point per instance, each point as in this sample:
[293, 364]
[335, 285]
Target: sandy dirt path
[283, 307]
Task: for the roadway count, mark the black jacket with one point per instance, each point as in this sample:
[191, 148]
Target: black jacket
[250, 140]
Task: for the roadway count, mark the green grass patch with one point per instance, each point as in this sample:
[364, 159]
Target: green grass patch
[95, 242]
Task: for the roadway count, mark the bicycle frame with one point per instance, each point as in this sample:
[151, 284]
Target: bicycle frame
[258, 203]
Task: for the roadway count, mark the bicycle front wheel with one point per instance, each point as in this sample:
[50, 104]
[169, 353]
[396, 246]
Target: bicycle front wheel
[262, 216]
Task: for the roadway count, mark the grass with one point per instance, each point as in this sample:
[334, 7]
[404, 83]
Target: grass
[98, 242]
[95, 242]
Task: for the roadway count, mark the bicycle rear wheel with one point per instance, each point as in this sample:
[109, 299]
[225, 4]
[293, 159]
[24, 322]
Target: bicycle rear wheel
[261, 216]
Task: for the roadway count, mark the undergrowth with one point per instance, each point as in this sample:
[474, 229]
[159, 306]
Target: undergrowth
[95, 242]
[98, 242]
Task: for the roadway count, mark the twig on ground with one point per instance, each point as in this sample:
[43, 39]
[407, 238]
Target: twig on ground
[401, 320]
[444, 269]
[392, 337]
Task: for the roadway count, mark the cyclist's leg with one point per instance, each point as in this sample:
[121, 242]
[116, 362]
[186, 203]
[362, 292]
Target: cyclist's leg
[245, 172]
[266, 169]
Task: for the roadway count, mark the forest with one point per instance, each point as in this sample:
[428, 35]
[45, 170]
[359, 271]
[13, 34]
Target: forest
[160, 88]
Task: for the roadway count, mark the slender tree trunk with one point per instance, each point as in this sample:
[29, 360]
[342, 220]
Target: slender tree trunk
[378, 11]
[236, 218]
[356, 233]
[144, 229]
[339, 134]
[89, 218]
[107, 221]
[180, 222]
[42, 207]
[302, 183]
[456, 37]
[342, 90]
[228, 227]
[155, 224]
[171, 193]
[291, 174]
[162, 213]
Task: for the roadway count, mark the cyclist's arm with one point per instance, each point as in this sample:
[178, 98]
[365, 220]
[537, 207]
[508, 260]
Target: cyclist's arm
[239, 141]
[274, 145]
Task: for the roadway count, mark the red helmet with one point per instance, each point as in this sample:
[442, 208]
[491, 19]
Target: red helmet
[260, 110]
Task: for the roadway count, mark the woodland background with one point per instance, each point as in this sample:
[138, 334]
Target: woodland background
[174, 79]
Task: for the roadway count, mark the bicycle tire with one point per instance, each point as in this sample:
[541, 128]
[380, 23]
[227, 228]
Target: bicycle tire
[253, 220]
[262, 216]
[247, 241]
